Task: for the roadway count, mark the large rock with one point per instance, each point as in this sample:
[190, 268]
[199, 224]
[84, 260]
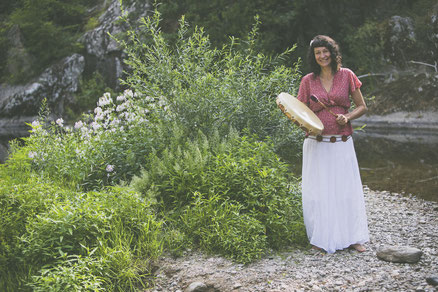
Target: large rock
[402, 39]
[57, 83]
[60, 82]
[399, 254]
[104, 54]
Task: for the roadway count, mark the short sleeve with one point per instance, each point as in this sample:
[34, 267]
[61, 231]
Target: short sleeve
[304, 91]
[354, 81]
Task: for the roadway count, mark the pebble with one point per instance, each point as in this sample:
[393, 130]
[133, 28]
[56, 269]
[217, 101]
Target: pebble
[196, 287]
[392, 220]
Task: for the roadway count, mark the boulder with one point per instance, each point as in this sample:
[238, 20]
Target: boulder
[57, 83]
[103, 54]
[432, 281]
[399, 254]
[196, 287]
[60, 82]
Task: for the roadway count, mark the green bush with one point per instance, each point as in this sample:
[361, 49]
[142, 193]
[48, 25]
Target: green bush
[91, 220]
[219, 226]
[55, 237]
[239, 172]
[209, 88]
[177, 171]
[173, 135]
[73, 274]
[250, 173]
[22, 197]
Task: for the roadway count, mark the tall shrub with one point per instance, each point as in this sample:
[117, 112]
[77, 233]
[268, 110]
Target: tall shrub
[210, 88]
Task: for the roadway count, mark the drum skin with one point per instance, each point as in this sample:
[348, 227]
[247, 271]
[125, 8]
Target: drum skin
[299, 114]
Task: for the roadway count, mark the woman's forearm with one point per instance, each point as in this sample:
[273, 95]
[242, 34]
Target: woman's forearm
[357, 112]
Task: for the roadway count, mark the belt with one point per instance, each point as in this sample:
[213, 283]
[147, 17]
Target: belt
[332, 139]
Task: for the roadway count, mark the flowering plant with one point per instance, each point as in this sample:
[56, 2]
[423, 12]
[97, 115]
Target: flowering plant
[102, 148]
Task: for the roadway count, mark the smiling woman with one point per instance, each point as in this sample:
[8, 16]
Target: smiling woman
[333, 202]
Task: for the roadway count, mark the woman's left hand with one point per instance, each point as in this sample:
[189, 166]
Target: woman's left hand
[342, 120]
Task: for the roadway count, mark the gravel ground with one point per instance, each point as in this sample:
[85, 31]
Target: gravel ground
[393, 220]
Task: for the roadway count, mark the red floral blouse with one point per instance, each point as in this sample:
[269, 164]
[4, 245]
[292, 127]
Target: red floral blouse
[337, 99]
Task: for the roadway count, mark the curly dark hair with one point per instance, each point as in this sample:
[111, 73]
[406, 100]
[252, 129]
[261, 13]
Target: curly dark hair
[332, 46]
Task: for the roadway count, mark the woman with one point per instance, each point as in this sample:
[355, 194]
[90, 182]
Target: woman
[333, 202]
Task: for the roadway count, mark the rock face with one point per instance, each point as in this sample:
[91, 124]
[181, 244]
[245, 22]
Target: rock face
[57, 84]
[399, 254]
[60, 82]
[103, 54]
[402, 37]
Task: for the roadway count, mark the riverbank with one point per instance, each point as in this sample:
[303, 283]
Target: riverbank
[393, 220]
[402, 126]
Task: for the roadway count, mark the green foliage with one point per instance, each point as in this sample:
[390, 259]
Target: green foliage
[89, 91]
[53, 239]
[22, 197]
[202, 185]
[239, 178]
[219, 226]
[110, 149]
[92, 23]
[207, 88]
[371, 33]
[115, 226]
[73, 274]
[50, 29]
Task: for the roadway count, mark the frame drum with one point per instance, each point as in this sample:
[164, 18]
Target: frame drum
[299, 114]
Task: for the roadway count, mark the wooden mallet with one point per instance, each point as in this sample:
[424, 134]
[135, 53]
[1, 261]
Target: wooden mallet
[315, 99]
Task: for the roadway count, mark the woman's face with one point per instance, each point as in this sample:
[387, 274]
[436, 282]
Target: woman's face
[322, 56]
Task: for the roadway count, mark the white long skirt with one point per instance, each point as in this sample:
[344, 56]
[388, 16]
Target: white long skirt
[333, 201]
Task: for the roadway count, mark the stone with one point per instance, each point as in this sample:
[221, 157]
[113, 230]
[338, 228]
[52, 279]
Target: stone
[57, 83]
[237, 285]
[196, 287]
[432, 281]
[399, 254]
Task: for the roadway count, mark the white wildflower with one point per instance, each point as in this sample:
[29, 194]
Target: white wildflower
[105, 99]
[128, 92]
[121, 98]
[95, 126]
[60, 122]
[98, 110]
[109, 168]
[35, 124]
[115, 122]
[120, 107]
[79, 124]
[32, 154]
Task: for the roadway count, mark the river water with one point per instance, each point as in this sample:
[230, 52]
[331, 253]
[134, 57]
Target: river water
[396, 161]
[402, 161]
